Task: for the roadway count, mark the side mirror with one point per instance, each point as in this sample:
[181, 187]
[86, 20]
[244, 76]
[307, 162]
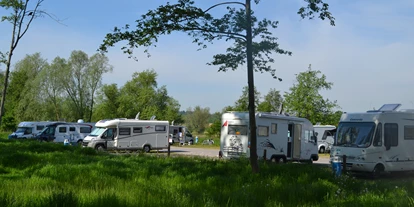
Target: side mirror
[387, 147]
[316, 133]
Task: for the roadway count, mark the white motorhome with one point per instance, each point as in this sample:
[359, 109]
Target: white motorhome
[285, 138]
[175, 132]
[28, 130]
[128, 134]
[325, 137]
[376, 141]
[60, 131]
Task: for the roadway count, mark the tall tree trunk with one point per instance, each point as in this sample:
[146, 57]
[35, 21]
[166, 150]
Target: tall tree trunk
[250, 80]
[6, 76]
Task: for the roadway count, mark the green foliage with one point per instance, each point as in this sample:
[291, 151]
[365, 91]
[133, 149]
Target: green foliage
[142, 95]
[48, 174]
[107, 102]
[8, 123]
[271, 102]
[196, 119]
[214, 129]
[304, 99]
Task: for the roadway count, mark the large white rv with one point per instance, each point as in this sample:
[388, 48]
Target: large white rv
[376, 141]
[28, 130]
[325, 136]
[128, 134]
[285, 138]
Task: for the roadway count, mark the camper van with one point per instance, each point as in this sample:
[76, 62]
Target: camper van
[61, 131]
[285, 138]
[376, 141]
[28, 130]
[128, 134]
[187, 137]
[325, 137]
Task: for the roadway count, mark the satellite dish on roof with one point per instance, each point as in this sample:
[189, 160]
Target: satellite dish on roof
[80, 121]
[137, 116]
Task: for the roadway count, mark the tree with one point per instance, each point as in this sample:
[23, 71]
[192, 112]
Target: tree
[272, 101]
[21, 18]
[51, 86]
[203, 27]
[242, 104]
[142, 95]
[25, 101]
[304, 98]
[214, 129]
[197, 119]
[107, 102]
[98, 65]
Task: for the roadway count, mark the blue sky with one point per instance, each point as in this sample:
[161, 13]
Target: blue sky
[367, 55]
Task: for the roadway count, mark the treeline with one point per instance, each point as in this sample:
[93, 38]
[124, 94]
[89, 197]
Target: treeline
[71, 89]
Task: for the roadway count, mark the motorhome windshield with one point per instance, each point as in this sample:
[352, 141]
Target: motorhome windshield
[97, 131]
[237, 130]
[26, 130]
[353, 134]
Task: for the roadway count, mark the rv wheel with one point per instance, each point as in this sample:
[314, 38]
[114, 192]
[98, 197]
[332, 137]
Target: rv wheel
[378, 169]
[79, 143]
[147, 149]
[100, 147]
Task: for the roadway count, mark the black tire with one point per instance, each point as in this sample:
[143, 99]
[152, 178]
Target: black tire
[147, 148]
[100, 147]
[191, 142]
[378, 170]
[79, 143]
[322, 150]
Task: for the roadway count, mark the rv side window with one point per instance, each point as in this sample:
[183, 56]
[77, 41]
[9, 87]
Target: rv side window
[237, 130]
[39, 127]
[124, 131]
[72, 129]
[62, 129]
[274, 128]
[409, 132]
[85, 130]
[160, 128]
[308, 135]
[137, 130]
[263, 131]
[175, 131]
[391, 134]
[378, 136]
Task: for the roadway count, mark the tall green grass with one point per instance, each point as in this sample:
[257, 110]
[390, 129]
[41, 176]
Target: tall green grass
[49, 174]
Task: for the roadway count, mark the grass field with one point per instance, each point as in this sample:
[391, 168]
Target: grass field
[48, 174]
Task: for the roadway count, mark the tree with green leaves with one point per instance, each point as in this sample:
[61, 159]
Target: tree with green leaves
[142, 95]
[197, 119]
[253, 41]
[272, 101]
[22, 15]
[25, 101]
[304, 99]
[107, 102]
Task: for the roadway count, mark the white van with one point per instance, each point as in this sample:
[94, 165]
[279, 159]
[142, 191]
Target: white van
[28, 130]
[58, 132]
[325, 137]
[376, 141]
[285, 138]
[128, 134]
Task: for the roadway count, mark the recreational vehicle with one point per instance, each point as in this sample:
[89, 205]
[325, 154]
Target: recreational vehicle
[325, 137]
[128, 134]
[186, 136]
[28, 130]
[285, 138]
[376, 141]
[58, 132]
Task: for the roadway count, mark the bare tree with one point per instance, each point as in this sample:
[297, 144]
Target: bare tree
[21, 17]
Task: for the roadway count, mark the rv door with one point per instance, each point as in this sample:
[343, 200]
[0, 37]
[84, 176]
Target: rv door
[296, 140]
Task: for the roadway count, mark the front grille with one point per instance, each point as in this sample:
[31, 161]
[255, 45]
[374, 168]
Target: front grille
[85, 144]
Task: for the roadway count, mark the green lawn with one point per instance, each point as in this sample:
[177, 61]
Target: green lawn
[48, 174]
